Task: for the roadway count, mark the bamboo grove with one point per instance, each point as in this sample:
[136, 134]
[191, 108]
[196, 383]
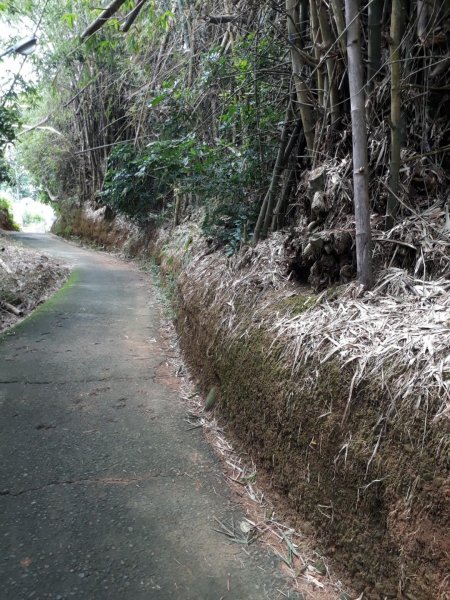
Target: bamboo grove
[263, 115]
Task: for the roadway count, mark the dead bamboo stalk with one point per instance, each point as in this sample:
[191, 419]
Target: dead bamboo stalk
[12, 309]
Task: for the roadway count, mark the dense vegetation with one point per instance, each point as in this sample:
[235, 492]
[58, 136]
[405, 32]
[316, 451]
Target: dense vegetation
[157, 108]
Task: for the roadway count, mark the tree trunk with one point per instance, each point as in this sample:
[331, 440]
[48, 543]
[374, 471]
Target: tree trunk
[359, 139]
[394, 43]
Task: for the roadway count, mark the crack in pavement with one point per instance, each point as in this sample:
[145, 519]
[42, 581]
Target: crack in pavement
[101, 380]
[123, 481]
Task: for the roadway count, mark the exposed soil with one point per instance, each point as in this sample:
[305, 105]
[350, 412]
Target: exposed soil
[27, 279]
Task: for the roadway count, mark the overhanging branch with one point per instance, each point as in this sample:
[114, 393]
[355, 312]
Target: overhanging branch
[109, 11]
[133, 15]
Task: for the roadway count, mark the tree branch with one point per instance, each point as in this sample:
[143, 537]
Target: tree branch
[132, 16]
[109, 11]
[220, 19]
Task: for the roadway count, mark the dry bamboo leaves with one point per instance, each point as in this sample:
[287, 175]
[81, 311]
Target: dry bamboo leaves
[398, 335]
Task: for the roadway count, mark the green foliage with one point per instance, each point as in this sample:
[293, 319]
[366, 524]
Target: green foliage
[4, 204]
[30, 218]
[48, 156]
[69, 19]
[9, 121]
[230, 223]
[6, 173]
[128, 185]
[220, 160]
[226, 173]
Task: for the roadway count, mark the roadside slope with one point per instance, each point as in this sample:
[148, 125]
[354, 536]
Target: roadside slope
[342, 400]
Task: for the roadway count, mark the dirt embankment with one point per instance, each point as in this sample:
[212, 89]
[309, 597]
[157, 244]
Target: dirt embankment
[342, 400]
[103, 228]
[6, 220]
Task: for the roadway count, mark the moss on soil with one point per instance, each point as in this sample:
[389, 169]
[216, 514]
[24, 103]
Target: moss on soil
[292, 426]
[298, 304]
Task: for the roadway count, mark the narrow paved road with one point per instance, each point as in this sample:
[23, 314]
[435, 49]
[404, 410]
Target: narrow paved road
[104, 491]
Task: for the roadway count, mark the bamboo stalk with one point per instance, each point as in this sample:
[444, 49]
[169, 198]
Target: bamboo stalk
[339, 19]
[177, 208]
[317, 40]
[375, 16]
[394, 43]
[265, 213]
[133, 15]
[98, 23]
[325, 29]
[303, 93]
[422, 19]
[287, 183]
[359, 142]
